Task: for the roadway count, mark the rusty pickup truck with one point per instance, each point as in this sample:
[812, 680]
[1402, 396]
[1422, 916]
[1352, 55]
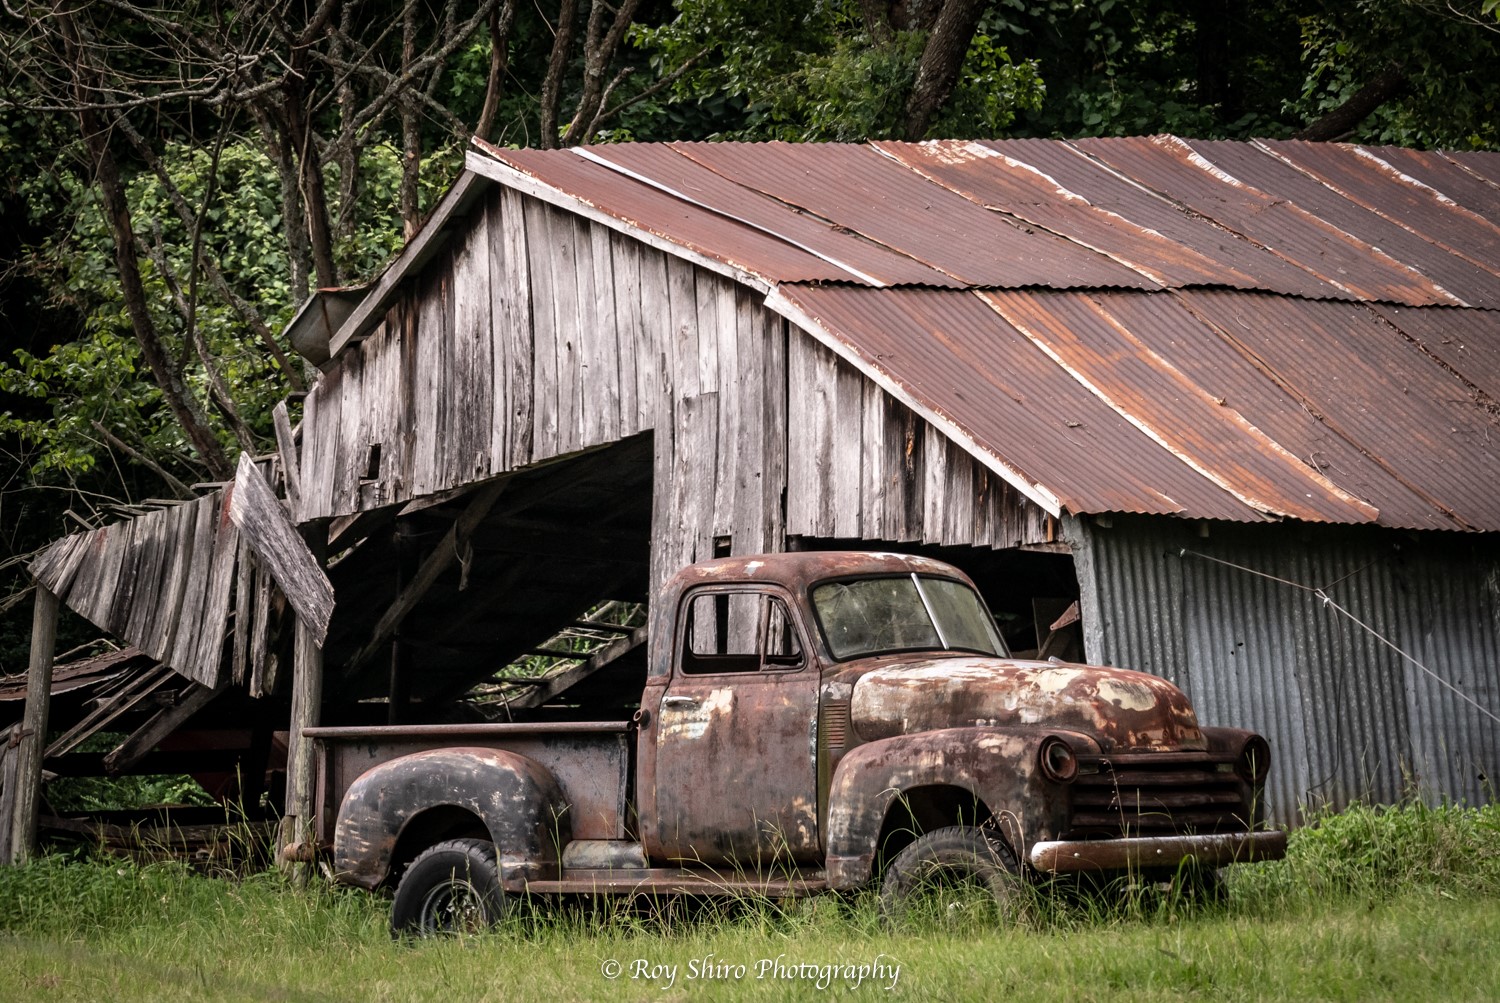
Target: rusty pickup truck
[809, 721]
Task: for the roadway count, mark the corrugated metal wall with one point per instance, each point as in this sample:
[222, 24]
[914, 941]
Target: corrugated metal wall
[1348, 717]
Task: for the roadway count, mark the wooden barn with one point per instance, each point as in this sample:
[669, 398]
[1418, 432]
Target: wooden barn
[1226, 412]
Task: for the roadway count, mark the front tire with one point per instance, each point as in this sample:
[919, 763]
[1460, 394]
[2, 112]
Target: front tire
[452, 887]
[939, 874]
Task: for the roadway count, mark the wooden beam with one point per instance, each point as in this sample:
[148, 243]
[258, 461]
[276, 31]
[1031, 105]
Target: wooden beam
[437, 562]
[550, 686]
[286, 445]
[255, 508]
[307, 705]
[145, 738]
[24, 795]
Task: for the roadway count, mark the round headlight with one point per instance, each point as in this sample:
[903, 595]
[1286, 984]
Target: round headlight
[1057, 760]
[1254, 761]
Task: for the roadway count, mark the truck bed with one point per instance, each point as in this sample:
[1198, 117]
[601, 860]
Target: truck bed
[591, 761]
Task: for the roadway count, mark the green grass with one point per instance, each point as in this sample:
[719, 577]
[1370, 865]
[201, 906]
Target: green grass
[1371, 904]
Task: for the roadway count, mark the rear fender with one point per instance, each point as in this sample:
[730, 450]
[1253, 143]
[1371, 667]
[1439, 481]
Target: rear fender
[519, 802]
[998, 766]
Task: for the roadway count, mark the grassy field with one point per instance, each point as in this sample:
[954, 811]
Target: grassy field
[1370, 905]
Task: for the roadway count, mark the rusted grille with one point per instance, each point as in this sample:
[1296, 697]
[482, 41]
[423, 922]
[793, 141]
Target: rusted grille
[833, 725]
[1157, 794]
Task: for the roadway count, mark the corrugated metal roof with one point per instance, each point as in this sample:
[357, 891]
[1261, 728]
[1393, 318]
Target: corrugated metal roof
[1324, 353]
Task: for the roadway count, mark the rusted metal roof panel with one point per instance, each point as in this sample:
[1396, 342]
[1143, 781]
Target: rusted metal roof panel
[658, 213]
[664, 166]
[1148, 389]
[1481, 162]
[1368, 383]
[1269, 173]
[1446, 176]
[854, 186]
[1466, 341]
[1218, 363]
[1110, 190]
[996, 181]
[1173, 168]
[1377, 186]
[959, 359]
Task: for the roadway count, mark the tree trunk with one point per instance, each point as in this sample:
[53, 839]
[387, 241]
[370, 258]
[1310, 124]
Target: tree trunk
[562, 45]
[1388, 83]
[598, 52]
[942, 58]
[501, 21]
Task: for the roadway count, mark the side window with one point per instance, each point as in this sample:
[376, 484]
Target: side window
[738, 632]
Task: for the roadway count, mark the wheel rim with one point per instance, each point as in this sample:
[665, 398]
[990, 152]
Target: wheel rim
[455, 906]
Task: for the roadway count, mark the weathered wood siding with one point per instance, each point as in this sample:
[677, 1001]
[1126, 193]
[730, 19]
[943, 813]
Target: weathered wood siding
[538, 334]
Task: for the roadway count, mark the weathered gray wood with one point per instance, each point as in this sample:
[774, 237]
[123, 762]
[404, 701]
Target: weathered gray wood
[847, 452]
[559, 682]
[281, 549]
[307, 705]
[958, 497]
[729, 383]
[664, 554]
[209, 658]
[681, 340]
[540, 245]
[706, 307]
[194, 594]
[746, 445]
[321, 430]
[350, 448]
[470, 388]
[166, 621]
[692, 479]
[776, 433]
[262, 675]
[625, 271]
[934, 483]
[140, 742]
[512, 311]
[152, 557]
[286, 445]
[601, 382]
[570, 262]
[244, 606]
[655, 387]
[810, 455]
[404, 323]
[25, 797]
[437, 562]
[10, 764]
[875, 472]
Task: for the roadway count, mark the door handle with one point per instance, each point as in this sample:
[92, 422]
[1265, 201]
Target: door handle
[680, 701]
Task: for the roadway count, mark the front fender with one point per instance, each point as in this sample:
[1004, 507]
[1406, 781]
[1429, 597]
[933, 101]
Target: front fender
[519, 802]
[996, 765]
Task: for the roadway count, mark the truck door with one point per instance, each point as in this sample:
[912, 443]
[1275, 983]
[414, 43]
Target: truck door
[736, 736]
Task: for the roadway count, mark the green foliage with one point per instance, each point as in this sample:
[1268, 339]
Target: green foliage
[805, 73]
[91, 794]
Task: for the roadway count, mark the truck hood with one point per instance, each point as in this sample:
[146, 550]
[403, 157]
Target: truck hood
[1122, 710]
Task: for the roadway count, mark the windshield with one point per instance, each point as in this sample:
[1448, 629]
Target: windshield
[870, 616]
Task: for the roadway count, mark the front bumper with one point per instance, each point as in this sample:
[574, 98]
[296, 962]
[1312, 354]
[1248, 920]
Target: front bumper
[1140, 852]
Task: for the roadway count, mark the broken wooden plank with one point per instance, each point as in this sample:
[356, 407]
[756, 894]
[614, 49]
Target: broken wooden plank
[549, 687]
[145, 738]
[281, 549]
[286, 446]
[23, 796]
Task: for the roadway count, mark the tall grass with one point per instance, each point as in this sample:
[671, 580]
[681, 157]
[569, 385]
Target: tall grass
[1371, 903]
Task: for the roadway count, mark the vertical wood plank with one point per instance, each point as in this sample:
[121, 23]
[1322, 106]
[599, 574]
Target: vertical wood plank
[656, 357]
[209, 658]
[746, 446]
[513, 308]
[692, 476]
[151, 569]
[262, 680]
[625, 270]
[320, 435]
[776, 334]
[25, 799]
[934, 481]
[307, 704]
[665, 555]
[407, 323]
[911, 436]
[874, 473]
[354, 429]
[180, 531]
[958, 496]
[470, 398]
[433, 361]
[244, 608]
[682, 307]
[810, 452]
[847, 452]
[601, 386]
[574, 283]
[706, 305]
[540, 248]
[286, 446]
[724, 332]
[190, 613]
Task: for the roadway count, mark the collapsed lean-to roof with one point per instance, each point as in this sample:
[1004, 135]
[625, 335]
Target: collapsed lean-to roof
[1213, 330]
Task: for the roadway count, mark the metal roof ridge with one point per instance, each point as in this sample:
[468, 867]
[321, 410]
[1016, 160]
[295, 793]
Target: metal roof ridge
[593, 157]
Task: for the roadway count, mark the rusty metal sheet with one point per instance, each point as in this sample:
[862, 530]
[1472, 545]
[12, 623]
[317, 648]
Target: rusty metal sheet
[1364, 178]
[1469, 190]
[656, 213]
[854, 186]
[1175, 169]
[1147, 388]
[1216, 362]
[1111, 191]
[1484, 163]
[1466, 341]
[1367, 382]
[1460, 276]
[959, 358]
[664, 166]
[997, 181]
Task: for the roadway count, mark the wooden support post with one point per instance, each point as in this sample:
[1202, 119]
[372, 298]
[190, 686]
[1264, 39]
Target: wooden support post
[297, 828]
[25, 797]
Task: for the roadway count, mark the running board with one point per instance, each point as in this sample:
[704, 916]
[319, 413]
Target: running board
[675, 881]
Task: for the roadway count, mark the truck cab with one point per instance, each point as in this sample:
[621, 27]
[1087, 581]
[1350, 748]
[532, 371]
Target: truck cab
[809, 721]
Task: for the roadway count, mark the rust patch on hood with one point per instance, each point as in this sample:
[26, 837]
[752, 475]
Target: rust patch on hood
[1125, 710]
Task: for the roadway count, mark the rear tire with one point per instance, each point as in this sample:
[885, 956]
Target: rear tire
[452, 887]
[941, 871]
